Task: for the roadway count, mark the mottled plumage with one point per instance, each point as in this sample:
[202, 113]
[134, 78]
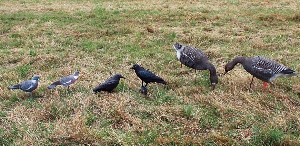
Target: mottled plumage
[262, 68]
[27, 86]
[146, 76]
[65, 81]
[109, 84]
[195, 58]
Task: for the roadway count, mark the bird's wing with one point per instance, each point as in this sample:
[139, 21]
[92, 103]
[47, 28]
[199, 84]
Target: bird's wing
[267, 66]
[146, 74]
[66, 81]
[192, 56]
[28, 85]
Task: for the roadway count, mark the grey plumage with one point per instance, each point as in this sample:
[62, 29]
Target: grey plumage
[65, 81]
[195, 58]
[261, 67]
[27, 86]
[109, 84]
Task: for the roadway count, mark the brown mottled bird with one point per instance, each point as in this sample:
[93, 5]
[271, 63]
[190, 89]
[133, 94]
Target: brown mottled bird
[262, 68]
[195, 58]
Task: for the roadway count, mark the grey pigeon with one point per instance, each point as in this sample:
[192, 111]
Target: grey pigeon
[262, 68]
[146, 76]
[195, 58]
[109, 84]
[65, 81]
[27, 86]
[143, 90]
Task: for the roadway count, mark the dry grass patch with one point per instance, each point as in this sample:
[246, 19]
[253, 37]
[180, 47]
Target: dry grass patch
[102, 38]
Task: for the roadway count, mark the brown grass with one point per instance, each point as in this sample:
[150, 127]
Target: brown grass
[228, 115]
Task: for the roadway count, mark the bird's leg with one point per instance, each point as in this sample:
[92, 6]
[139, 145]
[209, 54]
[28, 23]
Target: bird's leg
[69, 89]
[31, 96]
[251, 81]
[265, 85]
[142, 83]
[195, 75]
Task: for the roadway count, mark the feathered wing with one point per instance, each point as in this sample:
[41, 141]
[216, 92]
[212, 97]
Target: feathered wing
[264, 68]
[192, 56]
[148, 76]
[108, 85]
[68, 80]
[53, 85]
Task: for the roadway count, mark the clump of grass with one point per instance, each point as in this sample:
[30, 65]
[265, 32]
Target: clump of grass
[268, 136]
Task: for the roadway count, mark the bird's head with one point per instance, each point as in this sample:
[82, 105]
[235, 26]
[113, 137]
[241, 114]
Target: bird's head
[177, 46]
[135, 66]
[36, 77]
[76, 73]
[228, 67]
[119, 76]
[214, 81]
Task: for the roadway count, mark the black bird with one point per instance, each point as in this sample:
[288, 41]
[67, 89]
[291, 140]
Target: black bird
[146, 76]
[195, 58]
[109, 84]
[143, 90]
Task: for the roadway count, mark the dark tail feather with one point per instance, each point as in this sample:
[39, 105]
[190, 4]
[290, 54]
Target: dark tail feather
[53, 85]
[160, 80]
[289, 72]
[14, 87]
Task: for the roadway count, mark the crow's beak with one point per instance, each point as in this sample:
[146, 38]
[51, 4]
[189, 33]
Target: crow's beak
[123, 77]
[131, 68]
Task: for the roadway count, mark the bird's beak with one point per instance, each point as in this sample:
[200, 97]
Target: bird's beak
[213, 86]
[123, 77]
[131, 67]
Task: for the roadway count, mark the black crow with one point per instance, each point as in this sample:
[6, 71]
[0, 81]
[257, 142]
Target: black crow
[109, 84]
[146, 76]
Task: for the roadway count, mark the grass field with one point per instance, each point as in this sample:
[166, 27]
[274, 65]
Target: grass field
[55, 38]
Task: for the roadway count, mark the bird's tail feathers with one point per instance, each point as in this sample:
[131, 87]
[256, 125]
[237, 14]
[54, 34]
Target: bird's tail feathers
[290, 75]
[160, 80]
[53, 85]
[14, 86]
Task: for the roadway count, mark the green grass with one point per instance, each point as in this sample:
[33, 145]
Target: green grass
[102, 38]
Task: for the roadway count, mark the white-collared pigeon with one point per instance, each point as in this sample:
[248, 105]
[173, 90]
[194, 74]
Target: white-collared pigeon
[27, 86]
[65, 81]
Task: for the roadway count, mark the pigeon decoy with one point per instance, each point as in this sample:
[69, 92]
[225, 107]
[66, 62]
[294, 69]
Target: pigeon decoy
[27, 86]
[109, 84]
[143, 90]
[146, 76]
[195, 58]
[262, 68]
[65, 81]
